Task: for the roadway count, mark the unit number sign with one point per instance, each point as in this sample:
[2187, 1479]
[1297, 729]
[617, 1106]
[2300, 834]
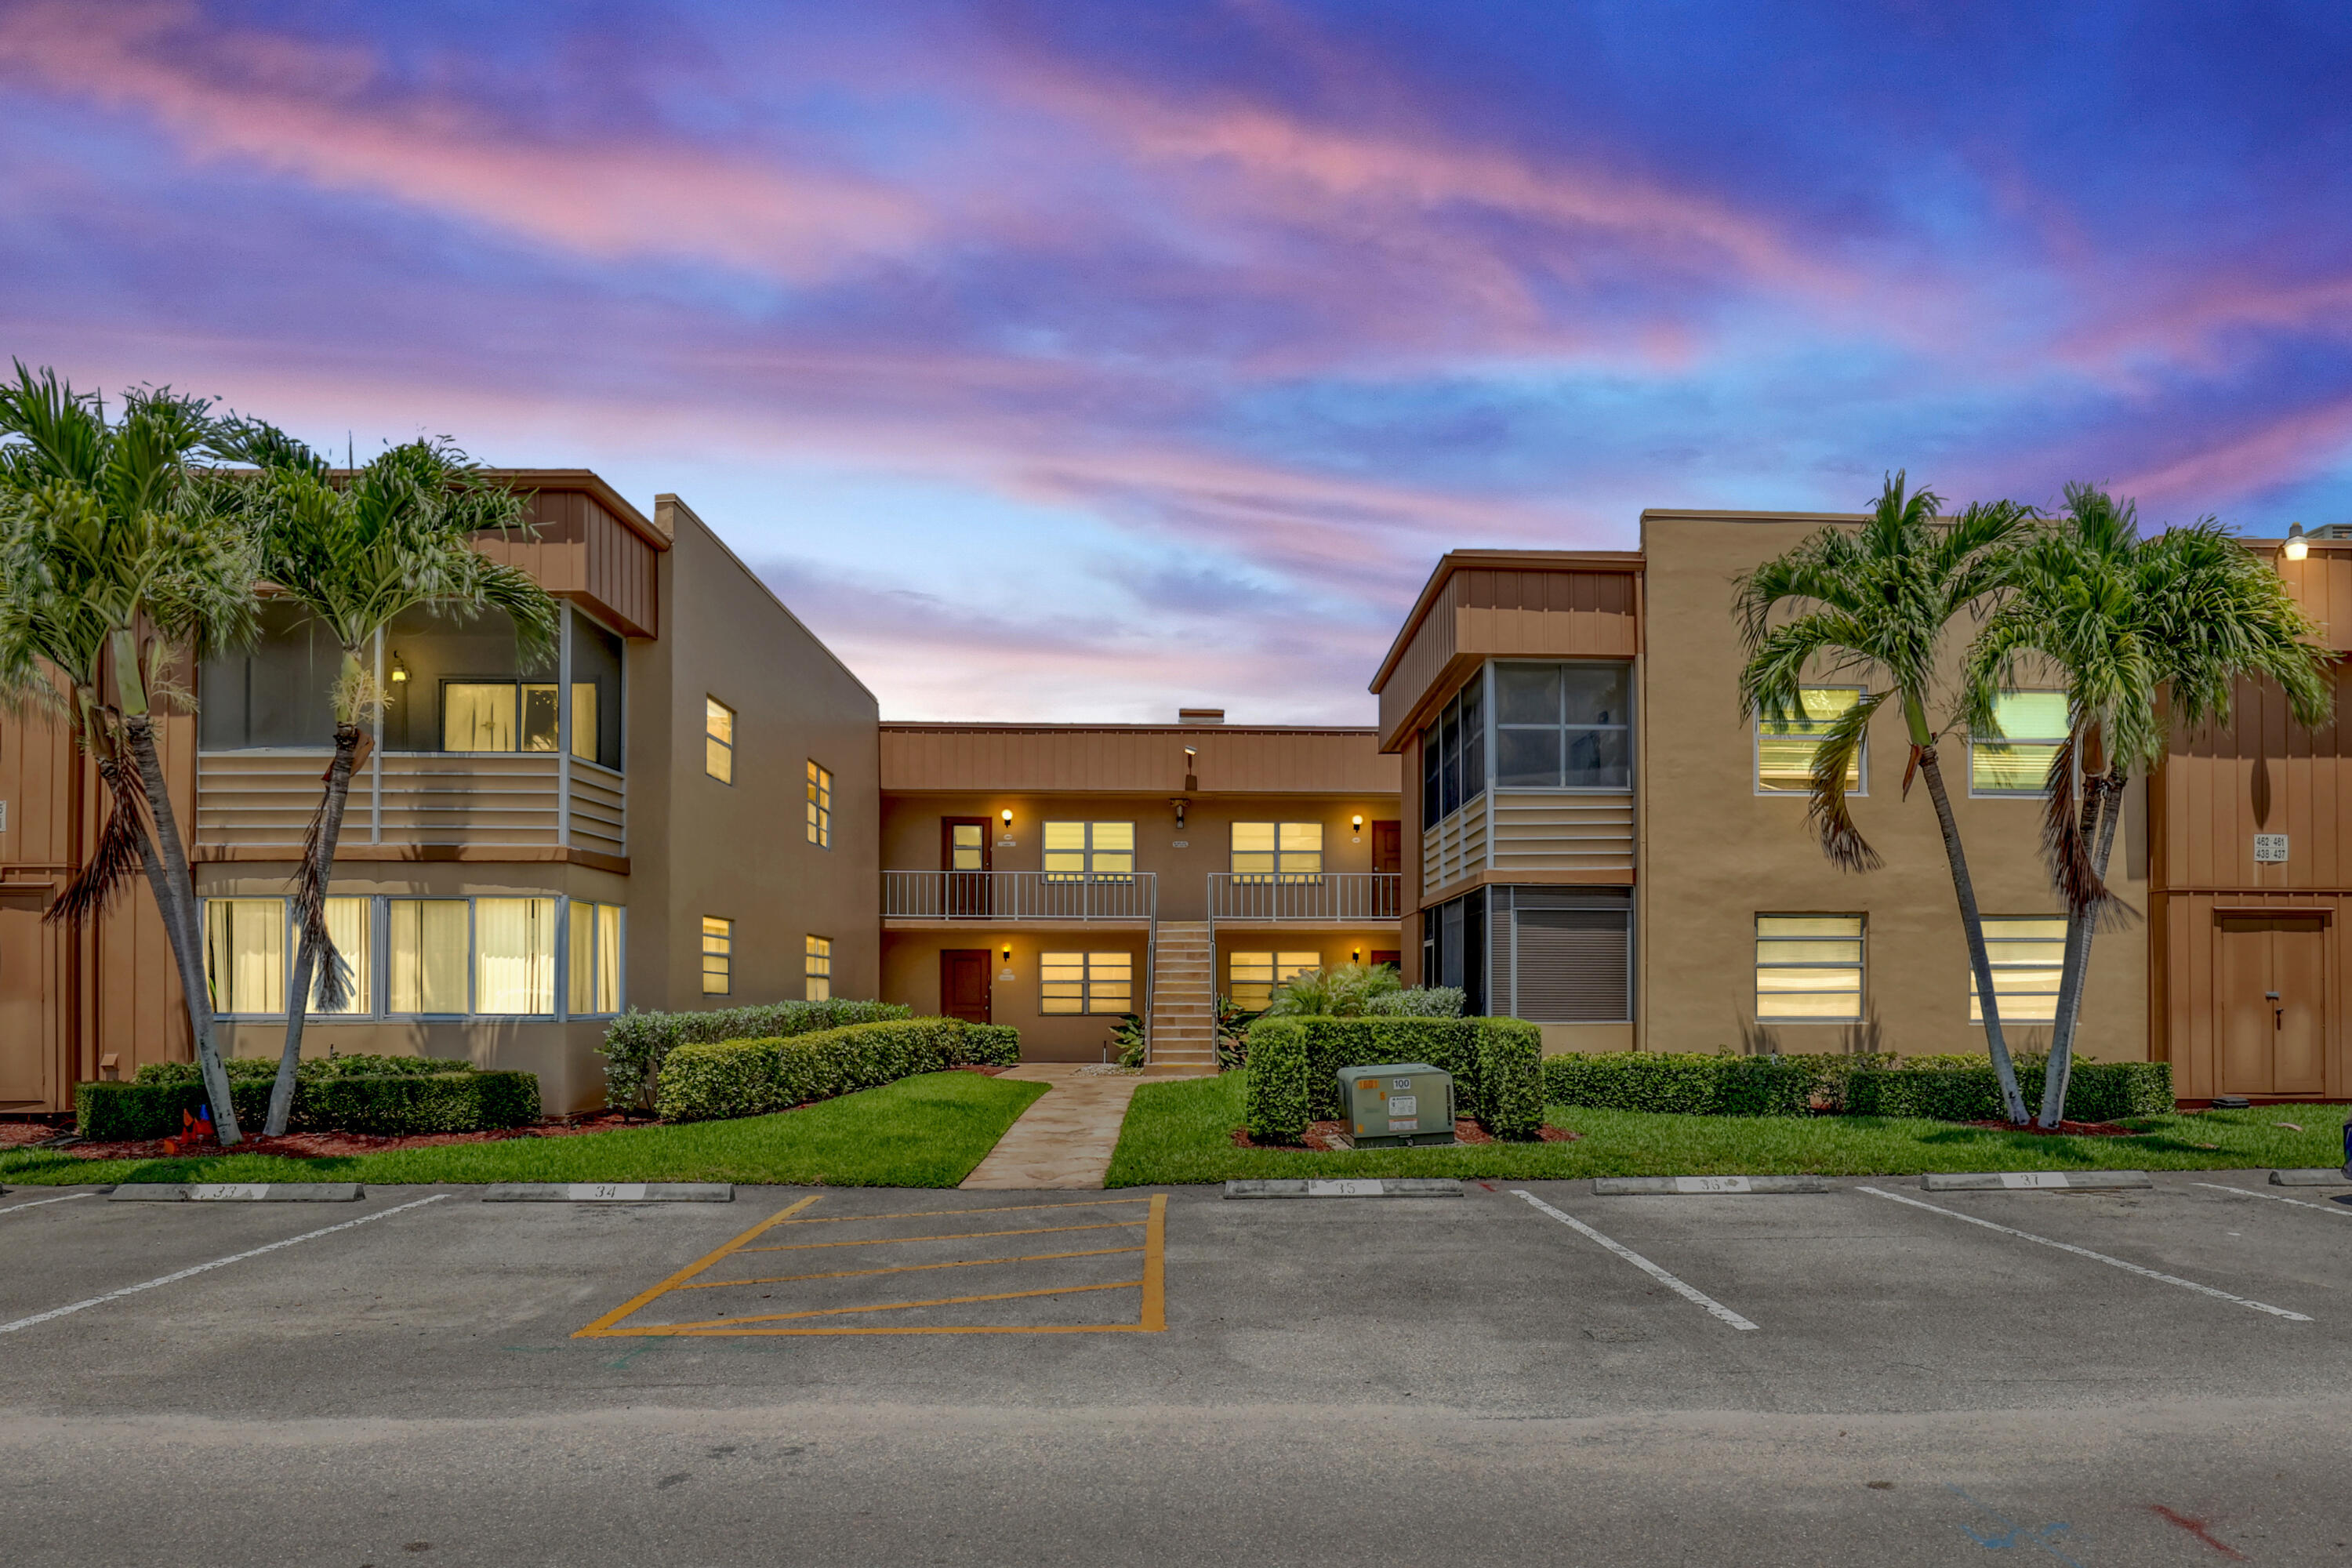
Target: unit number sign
[2270, 847]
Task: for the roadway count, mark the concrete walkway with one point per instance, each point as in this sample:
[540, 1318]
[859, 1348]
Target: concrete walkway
[1066, 1139]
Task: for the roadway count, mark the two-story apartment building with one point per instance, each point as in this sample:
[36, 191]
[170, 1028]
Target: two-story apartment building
[1056, 877]
[679, 809]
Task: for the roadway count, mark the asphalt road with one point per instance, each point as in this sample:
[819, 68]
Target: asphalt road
[1338, 1381]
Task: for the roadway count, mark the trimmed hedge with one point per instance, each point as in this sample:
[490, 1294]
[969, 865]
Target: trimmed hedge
[1941, 1087]
[1294, 1063]
[394, 1105]
[241, 1069]
[705, 1080]
[637, 1044]
[1965, 1090]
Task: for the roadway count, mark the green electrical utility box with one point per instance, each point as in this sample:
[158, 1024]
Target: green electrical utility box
[1398, 1105]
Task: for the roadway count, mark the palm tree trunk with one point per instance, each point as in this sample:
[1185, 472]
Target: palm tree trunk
[2106, 806]
[310, 908]
[1972, 926]
[175, 897]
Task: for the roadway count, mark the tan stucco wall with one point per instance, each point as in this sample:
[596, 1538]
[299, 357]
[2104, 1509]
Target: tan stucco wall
[699, 848]
[1558, 1039]
[1713, 854]
[911, 833]
[910, 973]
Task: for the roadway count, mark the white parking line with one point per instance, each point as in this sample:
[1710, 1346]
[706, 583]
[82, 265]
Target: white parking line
[2277, 1198]
[2096, 1256]
[37, 1202]
[1686, 1292]
[205, 1268]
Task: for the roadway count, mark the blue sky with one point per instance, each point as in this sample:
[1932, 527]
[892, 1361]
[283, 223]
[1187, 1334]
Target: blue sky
[1075, 362]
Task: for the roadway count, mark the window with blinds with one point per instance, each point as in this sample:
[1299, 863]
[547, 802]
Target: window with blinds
[1564, 956]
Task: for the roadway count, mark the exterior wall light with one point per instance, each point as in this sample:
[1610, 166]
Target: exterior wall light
[1007, 814]
[1358, 822]
[399, 670]
[1180, 803]
[2297, 546]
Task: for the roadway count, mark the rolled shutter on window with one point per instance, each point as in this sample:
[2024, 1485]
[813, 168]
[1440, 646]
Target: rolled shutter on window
[1571, 965]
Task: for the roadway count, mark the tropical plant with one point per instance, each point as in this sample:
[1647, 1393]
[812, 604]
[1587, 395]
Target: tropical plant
[119, 558]
[1233, 1022]
[2144, 631]
[1417, 1002]
[1133, 1042]
[356, 550]
[1342, 991]
[1873, 602]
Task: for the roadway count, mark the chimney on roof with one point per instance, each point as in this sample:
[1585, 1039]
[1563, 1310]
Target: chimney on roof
[1200, 715]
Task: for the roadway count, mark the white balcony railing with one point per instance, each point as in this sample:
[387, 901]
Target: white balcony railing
[1017, 895]
[1329, 896]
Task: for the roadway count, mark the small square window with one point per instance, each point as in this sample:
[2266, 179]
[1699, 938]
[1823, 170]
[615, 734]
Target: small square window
[2028, 728]
[718, 740]
[1251, 977]
[2028, 954]
[1784, 752]
[817, 969]
[718, 957]
[1085, 982]
[1808, 969]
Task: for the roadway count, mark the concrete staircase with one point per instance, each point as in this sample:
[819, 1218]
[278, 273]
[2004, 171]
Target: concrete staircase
[1184, 1000]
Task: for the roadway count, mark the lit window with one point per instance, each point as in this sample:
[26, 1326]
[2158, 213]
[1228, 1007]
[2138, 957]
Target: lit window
[817, 967]
[2028, 728]
[596, 977]
[1784, 752]
[245, 954]
[820, 807]
[1561, 726]
[1075, 849]
[2028, 953]
[718, 957]
[1087, 982]
[1808, 969]
[346, 928]
[426, 944]
[1277, 851]
[1251, 977]
[514, 956]
[717, 740]
[512, 715]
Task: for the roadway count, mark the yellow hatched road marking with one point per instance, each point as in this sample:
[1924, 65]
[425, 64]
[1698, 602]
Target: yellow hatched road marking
[1153, 1318]
[904, 1306]
[946, 1214]
[910, 1267]
[952, 1236]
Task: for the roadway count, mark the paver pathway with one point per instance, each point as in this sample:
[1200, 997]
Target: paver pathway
[1066, 1139]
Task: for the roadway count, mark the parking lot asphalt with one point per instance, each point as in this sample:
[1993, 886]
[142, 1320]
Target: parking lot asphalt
[1870, 1374]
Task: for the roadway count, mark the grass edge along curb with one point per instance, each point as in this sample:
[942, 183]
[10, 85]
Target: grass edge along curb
[1180, 1132]
[1296, 1060]
[721, 1079]
[925, 1132]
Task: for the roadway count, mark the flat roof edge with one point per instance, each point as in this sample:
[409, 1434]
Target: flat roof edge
[1452, 561]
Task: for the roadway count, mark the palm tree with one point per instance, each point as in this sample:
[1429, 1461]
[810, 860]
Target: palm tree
[356, 550]
[117, 557]
[1873, 602]
[2142, 632]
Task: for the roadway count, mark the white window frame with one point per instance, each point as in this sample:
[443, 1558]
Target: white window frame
[1087, 984]
[2038, 792]
[1860, 964]
[1089, 850]
[1860, 774]
[1278, 966]
[1281, 874]
[2000, 928]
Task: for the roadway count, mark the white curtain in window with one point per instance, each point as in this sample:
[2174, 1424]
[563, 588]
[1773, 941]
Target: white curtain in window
[346, 928]
[608, 958]
[514, 955]
[595, 948]
[245, 954]
[427, 951]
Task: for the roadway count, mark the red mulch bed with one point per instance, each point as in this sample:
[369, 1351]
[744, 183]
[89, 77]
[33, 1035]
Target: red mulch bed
[2068, 1130]
[314, 1146]
[1329, 1137]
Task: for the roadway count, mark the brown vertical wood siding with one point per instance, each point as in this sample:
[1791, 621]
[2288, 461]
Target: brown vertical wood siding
[2322, 583]
[1496, 612]
[2212, 788]
[583, 551]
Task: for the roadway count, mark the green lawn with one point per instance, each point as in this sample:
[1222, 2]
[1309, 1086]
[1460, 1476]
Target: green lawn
[924, 1131]
[1181, 1132]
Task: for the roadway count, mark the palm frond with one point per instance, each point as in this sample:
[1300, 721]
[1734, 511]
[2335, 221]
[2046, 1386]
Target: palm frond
[1827, 809]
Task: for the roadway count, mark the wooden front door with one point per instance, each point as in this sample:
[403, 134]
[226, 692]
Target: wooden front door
[1387, 855]
[964, 989]
[964, 856]
[2271, 976]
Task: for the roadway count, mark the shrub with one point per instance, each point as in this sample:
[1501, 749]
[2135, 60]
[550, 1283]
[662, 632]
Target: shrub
[1295, 1064]
[637, 1043]
[1418, 1002]
[265, 1069]
[1689, 1084]
[1343, 991]
[1963, 1088]
[390, 1105]
[705, 1080]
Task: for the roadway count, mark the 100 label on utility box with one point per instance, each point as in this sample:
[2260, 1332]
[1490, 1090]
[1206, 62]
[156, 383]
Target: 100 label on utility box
[1398, 1104]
